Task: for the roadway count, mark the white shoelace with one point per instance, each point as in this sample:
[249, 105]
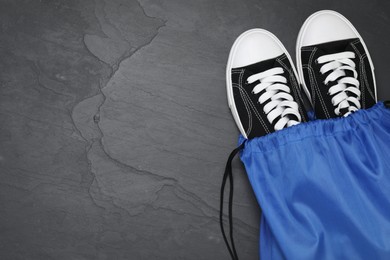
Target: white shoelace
[281, 102]
[338, 63]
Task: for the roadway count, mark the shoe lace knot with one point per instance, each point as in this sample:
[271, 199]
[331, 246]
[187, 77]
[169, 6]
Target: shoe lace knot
[343, 76]
[280, 106]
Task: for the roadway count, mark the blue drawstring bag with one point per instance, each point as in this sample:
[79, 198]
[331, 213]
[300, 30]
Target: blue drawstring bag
[323, 186]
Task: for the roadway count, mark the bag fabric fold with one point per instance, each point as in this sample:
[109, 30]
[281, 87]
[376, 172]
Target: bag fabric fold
[324, 187]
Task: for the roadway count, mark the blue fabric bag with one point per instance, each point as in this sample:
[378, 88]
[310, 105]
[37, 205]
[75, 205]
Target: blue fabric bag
[324, 187]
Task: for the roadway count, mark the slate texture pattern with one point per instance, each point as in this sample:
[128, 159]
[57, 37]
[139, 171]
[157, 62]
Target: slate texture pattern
[115, 127]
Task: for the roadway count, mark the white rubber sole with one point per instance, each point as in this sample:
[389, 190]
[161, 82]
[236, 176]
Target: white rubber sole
[299, 46]
[229, 86]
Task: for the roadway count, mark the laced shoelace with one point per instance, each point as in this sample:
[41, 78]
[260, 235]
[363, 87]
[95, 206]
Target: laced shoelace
[281, 108]
[346, 93]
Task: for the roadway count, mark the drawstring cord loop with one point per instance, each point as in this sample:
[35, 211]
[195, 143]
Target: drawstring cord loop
[228, 174]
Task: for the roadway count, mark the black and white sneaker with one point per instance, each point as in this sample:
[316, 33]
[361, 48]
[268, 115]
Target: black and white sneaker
[262, 87]
[334, 65]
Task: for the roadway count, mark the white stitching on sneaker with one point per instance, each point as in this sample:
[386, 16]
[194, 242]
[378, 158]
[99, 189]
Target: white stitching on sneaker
[314, 83]
[292, 80]
[362, 75]
[313, 94]
[322, 102]
[365, 75]
[247, 101]
[246, 97]
[363, 72]
[248, 112]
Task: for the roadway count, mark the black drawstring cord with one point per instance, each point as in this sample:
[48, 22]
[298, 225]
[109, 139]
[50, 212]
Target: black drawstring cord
[228, 173]
[386, 103]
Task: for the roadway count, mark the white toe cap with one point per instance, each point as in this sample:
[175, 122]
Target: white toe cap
[254, 46]
[326, 26]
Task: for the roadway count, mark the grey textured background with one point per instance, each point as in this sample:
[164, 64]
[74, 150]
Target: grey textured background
[115, 127]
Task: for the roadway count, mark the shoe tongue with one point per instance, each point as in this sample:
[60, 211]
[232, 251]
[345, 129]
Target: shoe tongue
[335, 47]
[262, 65]
[343, 111]
[293, 117]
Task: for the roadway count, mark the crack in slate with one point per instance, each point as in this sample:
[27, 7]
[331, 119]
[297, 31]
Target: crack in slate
[89, 143]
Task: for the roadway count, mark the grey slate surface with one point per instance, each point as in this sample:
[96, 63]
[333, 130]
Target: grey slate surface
[115, 127]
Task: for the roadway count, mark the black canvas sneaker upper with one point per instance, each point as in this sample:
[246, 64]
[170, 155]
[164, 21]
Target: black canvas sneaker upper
[255, 89]
[339, 77]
